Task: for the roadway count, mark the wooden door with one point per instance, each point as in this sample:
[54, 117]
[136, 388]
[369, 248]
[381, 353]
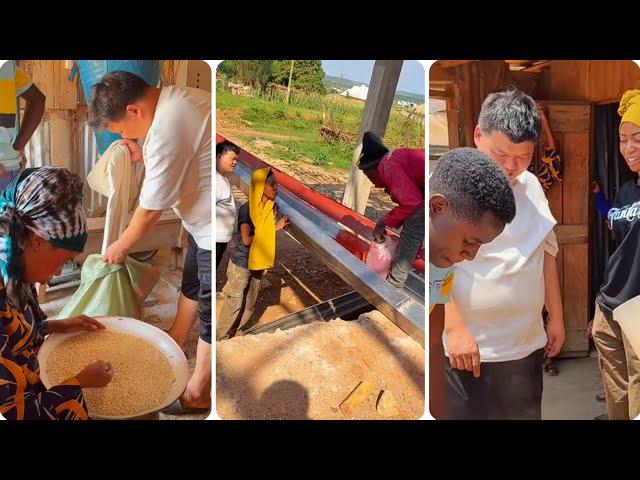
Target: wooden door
[571, 124]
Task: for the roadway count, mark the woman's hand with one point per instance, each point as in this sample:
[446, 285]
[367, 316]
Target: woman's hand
[78, 323]
[96, 375]
[283, 222]
[134, 149]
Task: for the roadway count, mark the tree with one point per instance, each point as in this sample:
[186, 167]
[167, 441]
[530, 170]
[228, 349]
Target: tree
[257, 73]
[228, 67]
[307, 75]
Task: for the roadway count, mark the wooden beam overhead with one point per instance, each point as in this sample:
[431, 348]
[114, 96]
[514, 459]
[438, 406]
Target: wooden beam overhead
[453, 63]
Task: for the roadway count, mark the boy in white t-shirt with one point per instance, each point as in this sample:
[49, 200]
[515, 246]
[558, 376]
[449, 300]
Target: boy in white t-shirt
[226, 161]
[175, 123]
[497, 299]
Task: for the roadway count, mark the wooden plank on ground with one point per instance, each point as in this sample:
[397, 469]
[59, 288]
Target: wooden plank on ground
[356, 397]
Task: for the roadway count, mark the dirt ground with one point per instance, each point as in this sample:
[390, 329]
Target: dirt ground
[306, 372]
[160, 312]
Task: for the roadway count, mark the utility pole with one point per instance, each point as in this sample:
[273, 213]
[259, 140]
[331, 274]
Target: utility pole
[289, 84]
[377, 108]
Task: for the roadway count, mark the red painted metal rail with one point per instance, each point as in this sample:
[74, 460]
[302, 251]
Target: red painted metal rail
[343, 215]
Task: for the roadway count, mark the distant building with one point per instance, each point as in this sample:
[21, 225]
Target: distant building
[405, 104]
[359, 92]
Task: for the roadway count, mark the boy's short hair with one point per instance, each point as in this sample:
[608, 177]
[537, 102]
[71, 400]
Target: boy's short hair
[226, 146]
[473, 184]
[111, 96]
[512, 113]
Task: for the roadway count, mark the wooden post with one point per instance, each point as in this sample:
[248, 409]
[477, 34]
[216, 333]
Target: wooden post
[289, 84]
[377, 108]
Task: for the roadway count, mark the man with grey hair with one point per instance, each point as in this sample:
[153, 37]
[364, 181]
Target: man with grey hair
[494, 333]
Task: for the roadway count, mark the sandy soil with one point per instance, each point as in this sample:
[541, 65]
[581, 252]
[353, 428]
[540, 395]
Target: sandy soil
[306, 372]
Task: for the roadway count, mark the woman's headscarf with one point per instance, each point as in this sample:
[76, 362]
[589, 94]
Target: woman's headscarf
[262, 252]
[629, 108]
[48, 202]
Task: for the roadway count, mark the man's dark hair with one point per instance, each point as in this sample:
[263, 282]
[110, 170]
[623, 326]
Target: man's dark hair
[473, 184]
[512, 113]
[226, 146]
[111, 96]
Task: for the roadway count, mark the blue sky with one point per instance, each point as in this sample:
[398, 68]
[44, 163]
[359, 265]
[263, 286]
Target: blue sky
[411, 77]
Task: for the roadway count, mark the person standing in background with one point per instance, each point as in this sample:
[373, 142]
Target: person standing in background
[14, 83]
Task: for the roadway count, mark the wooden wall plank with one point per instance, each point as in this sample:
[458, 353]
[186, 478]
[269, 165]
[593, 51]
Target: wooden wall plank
[569, 80]
[576, 298]
[554, 194]
[454, 63]
[65, 90]
[569, 117]
[567, 234]
[575, 186]
[439, 74]
[469, 121]
[596, 81]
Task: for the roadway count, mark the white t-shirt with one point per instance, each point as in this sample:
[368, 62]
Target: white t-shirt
[500, 293]
[177, 157]
[225, 209]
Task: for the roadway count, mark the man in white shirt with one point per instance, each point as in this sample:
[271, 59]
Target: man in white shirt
[175, 123]
[495, 313]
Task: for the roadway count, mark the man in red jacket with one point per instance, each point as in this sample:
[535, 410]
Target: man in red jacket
[401, 174]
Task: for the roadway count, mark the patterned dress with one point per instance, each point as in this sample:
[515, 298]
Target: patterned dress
[22, 394]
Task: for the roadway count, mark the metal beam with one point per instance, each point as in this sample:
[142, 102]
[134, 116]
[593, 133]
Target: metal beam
[338, 307]
[316, 231]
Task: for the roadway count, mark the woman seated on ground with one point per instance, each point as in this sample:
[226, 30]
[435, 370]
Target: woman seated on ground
[42, 226]
[254, 251]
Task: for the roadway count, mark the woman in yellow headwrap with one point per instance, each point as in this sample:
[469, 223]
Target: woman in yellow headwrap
[254, 251]
[619, 364]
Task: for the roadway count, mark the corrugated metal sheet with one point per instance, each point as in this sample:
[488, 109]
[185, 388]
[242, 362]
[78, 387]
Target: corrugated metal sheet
[38, 152]
[38, 149]
[87, 155]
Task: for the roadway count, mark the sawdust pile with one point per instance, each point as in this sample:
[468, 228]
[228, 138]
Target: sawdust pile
[307, 371]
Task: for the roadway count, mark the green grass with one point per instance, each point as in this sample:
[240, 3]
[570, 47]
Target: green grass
[318, 152]
[303, 118]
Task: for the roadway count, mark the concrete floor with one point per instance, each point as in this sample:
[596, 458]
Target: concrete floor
[572, 394]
